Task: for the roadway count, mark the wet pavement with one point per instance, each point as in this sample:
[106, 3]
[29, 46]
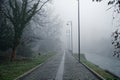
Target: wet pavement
[61, 67]
[73, 70]
[46, 71]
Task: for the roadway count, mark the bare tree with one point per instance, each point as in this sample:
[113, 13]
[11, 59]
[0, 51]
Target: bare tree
[20, 13]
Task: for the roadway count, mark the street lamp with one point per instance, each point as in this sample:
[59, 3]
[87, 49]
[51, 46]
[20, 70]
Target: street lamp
[71, 35]
[78, 32]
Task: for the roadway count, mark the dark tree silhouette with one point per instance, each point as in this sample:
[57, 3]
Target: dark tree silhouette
[20, 13]
[6, 35]
[114, 4]
[116, 34]
[5, 32]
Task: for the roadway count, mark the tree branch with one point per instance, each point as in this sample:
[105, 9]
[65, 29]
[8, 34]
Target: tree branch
[42, 6]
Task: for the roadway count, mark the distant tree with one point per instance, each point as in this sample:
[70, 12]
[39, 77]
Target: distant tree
[49, 28]
[20, 13]
[53, 34]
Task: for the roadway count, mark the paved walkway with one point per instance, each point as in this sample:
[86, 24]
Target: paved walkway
[61, 67]
[75, 71]
[47, 71]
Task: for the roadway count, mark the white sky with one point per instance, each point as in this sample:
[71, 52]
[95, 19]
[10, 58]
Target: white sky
[95, 21]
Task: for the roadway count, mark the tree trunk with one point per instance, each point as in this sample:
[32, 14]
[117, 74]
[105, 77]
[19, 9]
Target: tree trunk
[13, 54]
[15, 45]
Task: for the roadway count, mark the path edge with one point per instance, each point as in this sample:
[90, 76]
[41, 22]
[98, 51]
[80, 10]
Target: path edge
[34, 68]
[95, 73]
[91, 70]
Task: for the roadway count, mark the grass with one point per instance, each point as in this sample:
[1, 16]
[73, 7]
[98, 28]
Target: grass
[11, 70]
[97, 69]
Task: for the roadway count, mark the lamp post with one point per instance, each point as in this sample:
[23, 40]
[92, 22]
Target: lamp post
[78, 32]
[71, 35]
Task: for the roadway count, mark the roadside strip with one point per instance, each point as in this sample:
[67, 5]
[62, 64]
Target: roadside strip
[91, 70]
[31, 70]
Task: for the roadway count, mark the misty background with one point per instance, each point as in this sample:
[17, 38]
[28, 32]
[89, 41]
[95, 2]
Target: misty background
[49, 32]
[96, 25]
[49, 28]
[96, 28]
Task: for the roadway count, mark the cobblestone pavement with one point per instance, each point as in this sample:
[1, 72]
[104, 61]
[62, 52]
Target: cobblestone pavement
[72, 70]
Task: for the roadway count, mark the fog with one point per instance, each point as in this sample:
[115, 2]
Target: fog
[96, 28]
[96, 24]
[35, 31]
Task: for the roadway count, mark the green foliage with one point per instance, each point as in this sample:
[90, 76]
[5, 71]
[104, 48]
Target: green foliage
[97, 69]
[9, 71]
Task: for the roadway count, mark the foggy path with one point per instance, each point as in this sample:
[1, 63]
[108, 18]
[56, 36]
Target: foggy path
[60, 72]
[46, 71]
[61, 67]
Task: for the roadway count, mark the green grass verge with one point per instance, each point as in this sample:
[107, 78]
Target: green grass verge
[97, 69]
[11, 70]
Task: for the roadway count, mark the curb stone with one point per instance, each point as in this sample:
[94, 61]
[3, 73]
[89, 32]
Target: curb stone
[95, 73]
[31, 70]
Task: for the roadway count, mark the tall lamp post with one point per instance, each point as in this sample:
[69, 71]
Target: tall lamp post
[78, 32]
[71, 35]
